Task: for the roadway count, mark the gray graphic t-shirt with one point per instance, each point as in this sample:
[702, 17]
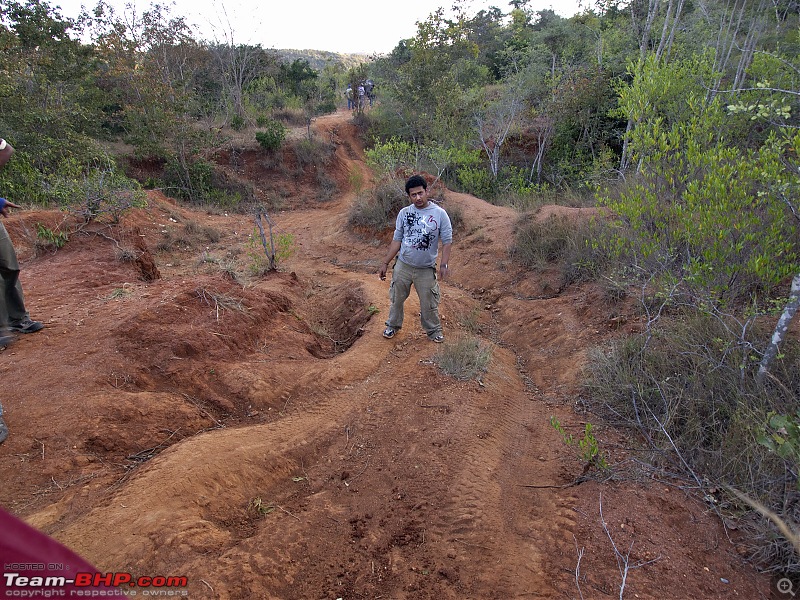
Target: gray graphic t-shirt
[419, 232]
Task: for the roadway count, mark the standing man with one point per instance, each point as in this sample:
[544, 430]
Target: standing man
[361, 93]
[13, 315]
[417, 232]
[369, 88]
[349, 94]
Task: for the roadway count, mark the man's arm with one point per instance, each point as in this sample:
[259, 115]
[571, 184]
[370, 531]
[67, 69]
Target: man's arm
[444, 269]
[6, 150]
[394, 248]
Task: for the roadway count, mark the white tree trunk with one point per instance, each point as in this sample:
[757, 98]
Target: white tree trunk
[780, 330]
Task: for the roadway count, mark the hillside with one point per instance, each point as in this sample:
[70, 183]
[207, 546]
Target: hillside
[267, 442]
[319, 59]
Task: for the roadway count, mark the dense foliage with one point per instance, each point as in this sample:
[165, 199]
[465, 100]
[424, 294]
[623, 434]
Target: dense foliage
[142, 83]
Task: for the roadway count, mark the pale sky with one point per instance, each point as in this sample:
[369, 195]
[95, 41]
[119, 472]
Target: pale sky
[361, 26]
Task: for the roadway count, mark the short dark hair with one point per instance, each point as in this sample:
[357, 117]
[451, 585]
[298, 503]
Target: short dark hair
[416, 181]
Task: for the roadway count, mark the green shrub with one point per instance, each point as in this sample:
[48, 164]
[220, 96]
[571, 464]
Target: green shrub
[189, 181]
[313, 153]
[273, 135]
[280, 246]
[238, 123]
[456, 215]
[102, 192]
[50, 239]
[702, 213]
[392, 156]
[477, 181]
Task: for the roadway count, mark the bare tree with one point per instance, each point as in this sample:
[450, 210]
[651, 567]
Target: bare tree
[741, 24]
[496, 120]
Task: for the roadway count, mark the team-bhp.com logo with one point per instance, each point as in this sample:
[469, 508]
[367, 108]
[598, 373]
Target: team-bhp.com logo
[94, 585]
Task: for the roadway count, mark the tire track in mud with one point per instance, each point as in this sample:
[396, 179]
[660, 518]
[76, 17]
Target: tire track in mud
[496, 458]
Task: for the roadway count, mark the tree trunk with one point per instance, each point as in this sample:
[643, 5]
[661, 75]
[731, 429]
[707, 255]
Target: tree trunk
[780, 330]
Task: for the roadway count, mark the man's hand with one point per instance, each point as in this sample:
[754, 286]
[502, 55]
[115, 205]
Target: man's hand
[5, 205]
[382, 272]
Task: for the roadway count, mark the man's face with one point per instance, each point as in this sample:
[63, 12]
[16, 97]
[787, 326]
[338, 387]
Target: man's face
[419, 196]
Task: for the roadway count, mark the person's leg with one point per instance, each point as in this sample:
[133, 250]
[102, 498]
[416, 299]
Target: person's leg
[398, 293]
[9, 272]
[429, 295]
[15, 303]
[13, 313]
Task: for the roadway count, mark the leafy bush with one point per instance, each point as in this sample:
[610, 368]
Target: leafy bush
[273, 135]
[101, 193]
[262, 260]
[49, 240]
[477, 181]
[456, 215]
[702, 213]
[238, 123]
[393, 156]
[200, 182]
[313, 152]
[189, 181]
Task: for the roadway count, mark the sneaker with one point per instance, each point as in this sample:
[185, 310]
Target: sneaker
[5, 340]
[3, 431]
[388, 333]
[438, 338]
[26, 326]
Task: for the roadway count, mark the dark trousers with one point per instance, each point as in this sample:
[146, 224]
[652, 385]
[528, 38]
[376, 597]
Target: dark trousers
[12, 302]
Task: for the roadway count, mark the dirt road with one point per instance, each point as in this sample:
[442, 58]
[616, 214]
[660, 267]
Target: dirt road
[266, 442]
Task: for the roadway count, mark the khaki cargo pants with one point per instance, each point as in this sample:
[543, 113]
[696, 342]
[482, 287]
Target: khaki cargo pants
[427, 286]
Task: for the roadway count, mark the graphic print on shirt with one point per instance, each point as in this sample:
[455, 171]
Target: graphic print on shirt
[421, 230]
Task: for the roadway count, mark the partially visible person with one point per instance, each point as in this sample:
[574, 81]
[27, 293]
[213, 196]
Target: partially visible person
[361, 93]
[349, 93]
[369, 89]
[13, 315]
[419, 228]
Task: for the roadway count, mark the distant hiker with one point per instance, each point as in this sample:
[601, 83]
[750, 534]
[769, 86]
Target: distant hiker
[349, 94]
[13, 315]
[361, 93]
[419, 228]
[369, 87]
